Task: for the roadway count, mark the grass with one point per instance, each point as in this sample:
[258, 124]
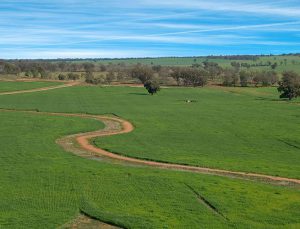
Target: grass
[240, 129]
[285, 63]
[44, 187]
[6, 86]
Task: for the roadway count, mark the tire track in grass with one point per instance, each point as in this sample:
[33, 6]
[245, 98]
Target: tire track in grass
[206, 203]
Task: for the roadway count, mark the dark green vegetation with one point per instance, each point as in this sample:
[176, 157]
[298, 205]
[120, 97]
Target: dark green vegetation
[6, 86]
[152, 87]
[284, 62]
[44, 187]
[240, 129]
[227, 70]
[289, 86]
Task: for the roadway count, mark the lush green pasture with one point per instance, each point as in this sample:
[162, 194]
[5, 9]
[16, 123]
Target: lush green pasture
[6, 86]
[241, 129]
[44, 187]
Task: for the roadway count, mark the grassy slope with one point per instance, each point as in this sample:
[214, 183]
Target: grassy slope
[43, 187]
[237, 129]
[6, 86]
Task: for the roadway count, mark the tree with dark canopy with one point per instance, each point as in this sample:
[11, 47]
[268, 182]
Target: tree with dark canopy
[152, 86]
[289, 86]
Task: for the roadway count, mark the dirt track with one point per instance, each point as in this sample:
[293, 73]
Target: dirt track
[119, 126]
[40, 89]
[115, 126]
[79, 144]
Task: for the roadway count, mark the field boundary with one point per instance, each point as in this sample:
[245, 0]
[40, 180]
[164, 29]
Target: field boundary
[68, 84]
[80, 144]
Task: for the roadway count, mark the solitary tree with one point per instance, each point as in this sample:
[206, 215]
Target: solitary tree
[289, 86]
[152, 86]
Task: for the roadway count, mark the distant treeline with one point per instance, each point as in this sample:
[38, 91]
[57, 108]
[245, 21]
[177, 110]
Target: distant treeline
[224, 57]
[198, 74]
[235, 57]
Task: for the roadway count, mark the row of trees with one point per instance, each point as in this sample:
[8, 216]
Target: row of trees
[245, 78]
[238, 74]
[289, 85]
[190, 76]
[197, 75]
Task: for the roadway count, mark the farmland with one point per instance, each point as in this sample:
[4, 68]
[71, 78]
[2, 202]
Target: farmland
[240, 129]
[224, 128]
[285, 62]
[7, 86]
[150, 114]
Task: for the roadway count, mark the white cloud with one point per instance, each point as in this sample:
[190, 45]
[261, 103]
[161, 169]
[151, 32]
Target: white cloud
[72, 53]
[230, 6]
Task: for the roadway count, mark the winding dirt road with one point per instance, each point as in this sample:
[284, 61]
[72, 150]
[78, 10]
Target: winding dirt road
[115, 126]
[79, 144]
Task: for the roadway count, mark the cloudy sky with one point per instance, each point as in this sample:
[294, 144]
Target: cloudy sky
[132, 28]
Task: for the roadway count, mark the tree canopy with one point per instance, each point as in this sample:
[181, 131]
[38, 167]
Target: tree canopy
[289, 86]
[152, 86]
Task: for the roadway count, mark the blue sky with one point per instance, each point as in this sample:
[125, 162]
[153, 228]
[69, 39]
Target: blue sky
[114, 29]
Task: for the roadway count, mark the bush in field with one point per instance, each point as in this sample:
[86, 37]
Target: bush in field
[289, 86]
[62, 77]
[176, 75]
[73, 76]
[11, 69]
[212, 68]
[88, 67]
[102, 68]
[230, 77]
[236, 66]
[156, 68]
[152, 86]
[110, 77]
[89, 78]
[245, 78]
[274, 66]
[265, 78]
[143, 73]
[43, 73]
[34, 73]
[190, 76]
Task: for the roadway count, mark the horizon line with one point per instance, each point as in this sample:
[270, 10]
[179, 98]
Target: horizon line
[151, 57]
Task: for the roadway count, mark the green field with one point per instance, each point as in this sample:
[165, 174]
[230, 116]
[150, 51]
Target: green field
[44, 187]
[6, 86]
[285, 62]
[237, 129]
[231, 128]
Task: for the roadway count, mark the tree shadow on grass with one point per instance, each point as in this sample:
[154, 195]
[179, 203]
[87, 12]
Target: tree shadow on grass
[283, 100]
[270, 99]
[136, 93]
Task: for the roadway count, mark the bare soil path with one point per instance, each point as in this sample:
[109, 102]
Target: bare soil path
[68, 84]
[80, 144]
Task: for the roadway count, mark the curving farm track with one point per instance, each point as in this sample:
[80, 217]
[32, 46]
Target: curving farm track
[80, 144]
